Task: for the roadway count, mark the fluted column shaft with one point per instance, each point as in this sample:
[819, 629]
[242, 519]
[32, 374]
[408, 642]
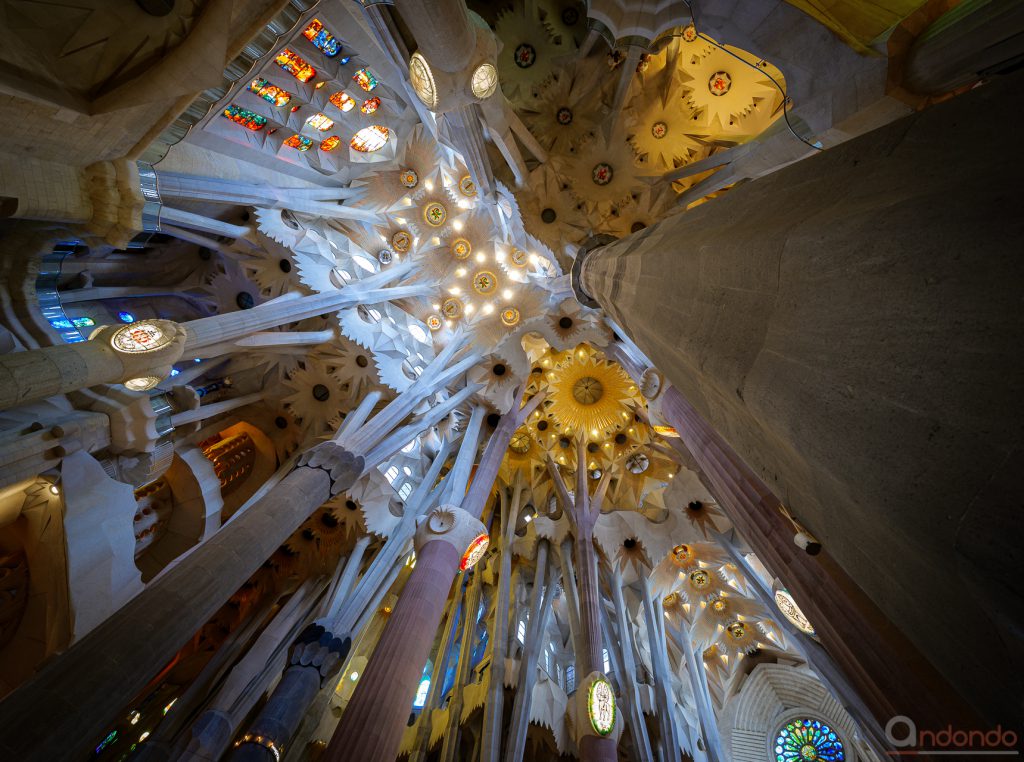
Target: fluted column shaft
[371, 727]
[807, 316]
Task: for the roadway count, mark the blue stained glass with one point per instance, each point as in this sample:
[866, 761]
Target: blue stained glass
[125, 317]
[807, 740]
[83, 322]
[107, 741]
[62, 324]
[344, 60]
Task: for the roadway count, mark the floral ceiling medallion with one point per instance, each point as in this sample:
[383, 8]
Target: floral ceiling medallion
[409, 178]
[434, 322]
[467, 187]
[451, 308]
[461, 248]
[602, 173]
[720, 83]
[401, 241]
[659, 130]
[525, 55]
[564, 116]
[484, 282]
[510, 316]
[434, 214]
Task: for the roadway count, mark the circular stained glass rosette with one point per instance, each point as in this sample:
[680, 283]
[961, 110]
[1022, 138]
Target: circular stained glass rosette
[401, 241]
[139, 337]
[659, 130]
[601, 706]
[484, 282]
[808, 740]
[525, 55]
[564, 116]
[451, 308]
[409, 178]
[602, 173]
[682, 555]
[720, 83]
[434, 214]
[517, 257]
[461, 248]
[510, 316]
[434, 322]
[467, 187]
[474, 552]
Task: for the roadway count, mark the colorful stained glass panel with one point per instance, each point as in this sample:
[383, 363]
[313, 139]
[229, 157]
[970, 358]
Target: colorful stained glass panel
[295, 65]
[365, 79]
[320, 122]
[319, 36]
[329, 144]
[248, 119]
[370, 139]
[299, 142]
[342, 100]
[808, 740]
[370, 105]
[270, 93]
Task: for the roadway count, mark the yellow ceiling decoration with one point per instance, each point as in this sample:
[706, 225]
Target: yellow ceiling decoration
[589, 394]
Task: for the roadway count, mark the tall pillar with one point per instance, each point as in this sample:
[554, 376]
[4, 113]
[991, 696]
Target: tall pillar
[662, 677]
[385, 693]
[850, 324]
[639, 727]
[118, 658]
[451, 744]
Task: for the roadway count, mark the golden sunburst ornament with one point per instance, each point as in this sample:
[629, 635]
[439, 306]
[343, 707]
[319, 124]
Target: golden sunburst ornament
[461, 248]
[588, 393]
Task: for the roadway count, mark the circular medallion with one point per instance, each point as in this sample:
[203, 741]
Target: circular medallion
[517, 257]
[525, 55]
[700, 578]
[792, 612]
[484, 282]
[409, 178]
[720, 83]
[682, 555]
[690, 33]
[422, 80]
[718, 604]
[461, 248]
[570, 16]
[451, 308]
[548, 215]
[143, 336]
[401, 241]
[602, 173]
[637, 463]
[141, 384]
[385, 257]
[564, 116]
[510, 316]
[808, 740]
[484, 81]
[467, 187]
[601, 706]
[670, 601]
[737, 630]
[520, 442]
[434, 322]
[659, 130]
[475, 551]
[587, 390]
[434, 214]
[595, 473]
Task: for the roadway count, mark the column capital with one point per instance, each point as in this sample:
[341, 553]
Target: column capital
[576, 274]
[342, 466]
[458, 528]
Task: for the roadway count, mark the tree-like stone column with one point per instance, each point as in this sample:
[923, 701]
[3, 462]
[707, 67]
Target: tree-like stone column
[850, 325]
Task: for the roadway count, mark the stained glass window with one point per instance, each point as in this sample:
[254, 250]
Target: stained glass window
[329, 144]
[807, 740]
[342, 101]
[370, 105]
[319, 36]
[299, 142]
[421, 693]
[365, 79]
[370, 139]
[270, 93]
[295, 66]
[320, 122]
[248, 119]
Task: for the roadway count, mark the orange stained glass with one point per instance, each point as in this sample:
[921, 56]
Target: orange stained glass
[270, 93]
[342, 100]
[299, 142]
[246, 118]
[329, 144]
[370, 105]
[295, 65]
[320, 122]
[370, 139]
